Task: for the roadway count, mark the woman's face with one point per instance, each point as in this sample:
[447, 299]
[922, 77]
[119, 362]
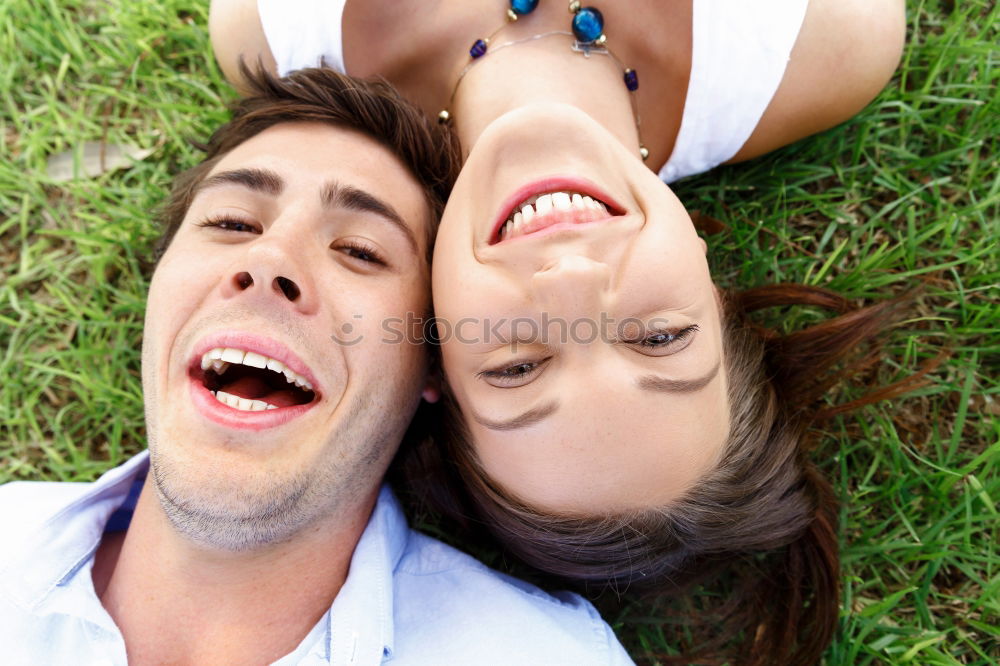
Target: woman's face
[581, 337]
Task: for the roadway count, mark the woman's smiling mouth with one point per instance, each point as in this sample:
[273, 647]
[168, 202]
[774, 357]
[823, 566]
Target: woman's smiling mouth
[550, 204]
[547, 210]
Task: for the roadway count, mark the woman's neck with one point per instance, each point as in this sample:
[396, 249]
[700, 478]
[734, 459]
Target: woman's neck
[542, 70]
[431, 47]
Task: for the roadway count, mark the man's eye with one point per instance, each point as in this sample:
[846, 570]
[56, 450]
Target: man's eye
[362, 252]
[512, 376]
[230, 224]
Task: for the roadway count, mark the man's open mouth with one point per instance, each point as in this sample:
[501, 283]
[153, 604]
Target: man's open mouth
[251, 382]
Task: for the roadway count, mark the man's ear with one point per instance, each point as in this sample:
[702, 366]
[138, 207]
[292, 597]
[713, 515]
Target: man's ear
[432, 389]
[435, 373]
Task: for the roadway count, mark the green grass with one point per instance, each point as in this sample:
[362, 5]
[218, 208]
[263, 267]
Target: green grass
[907, 193]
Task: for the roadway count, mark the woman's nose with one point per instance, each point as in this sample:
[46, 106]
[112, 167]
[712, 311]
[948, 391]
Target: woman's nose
[572, 285]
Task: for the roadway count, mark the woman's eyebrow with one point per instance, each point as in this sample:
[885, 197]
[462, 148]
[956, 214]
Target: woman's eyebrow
[668, 385]
[523, 420]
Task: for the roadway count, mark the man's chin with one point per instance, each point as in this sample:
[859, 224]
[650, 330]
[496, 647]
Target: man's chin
[214, 508]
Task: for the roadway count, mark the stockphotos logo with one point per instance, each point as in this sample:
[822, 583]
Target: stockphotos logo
[416, 330]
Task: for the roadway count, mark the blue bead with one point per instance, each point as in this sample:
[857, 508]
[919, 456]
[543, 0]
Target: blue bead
[478, 49]
[588, 24]
[523, 7]
[631, 80]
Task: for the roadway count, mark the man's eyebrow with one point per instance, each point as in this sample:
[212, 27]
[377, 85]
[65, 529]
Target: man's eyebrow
[336, 195]
[667, 385]
[530, 417]
[258, 180]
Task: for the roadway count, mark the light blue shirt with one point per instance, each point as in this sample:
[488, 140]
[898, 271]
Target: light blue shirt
[407, 600]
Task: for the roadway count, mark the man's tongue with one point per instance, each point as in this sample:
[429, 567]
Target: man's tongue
[254, 388]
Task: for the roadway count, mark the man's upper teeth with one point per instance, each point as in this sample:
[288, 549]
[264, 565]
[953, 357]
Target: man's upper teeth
[546, 202]
[220, 358]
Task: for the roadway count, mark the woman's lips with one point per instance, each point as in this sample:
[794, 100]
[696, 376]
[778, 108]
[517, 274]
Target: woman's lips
[551, 220]
[556, 201]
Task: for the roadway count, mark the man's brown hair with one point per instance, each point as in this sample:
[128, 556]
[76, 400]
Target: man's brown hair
[323, 95]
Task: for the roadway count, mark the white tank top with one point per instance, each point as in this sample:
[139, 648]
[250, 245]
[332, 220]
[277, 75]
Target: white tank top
[739, 53]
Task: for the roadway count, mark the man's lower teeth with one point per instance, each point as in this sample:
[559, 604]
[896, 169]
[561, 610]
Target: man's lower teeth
[244, 404]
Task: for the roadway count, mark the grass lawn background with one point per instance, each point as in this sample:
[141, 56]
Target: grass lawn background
[906, 193]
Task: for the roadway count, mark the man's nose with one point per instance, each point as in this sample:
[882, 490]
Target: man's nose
[280, 284]
[269, 270]
[572, 285]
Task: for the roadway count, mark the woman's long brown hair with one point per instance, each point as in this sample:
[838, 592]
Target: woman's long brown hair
[764, 520]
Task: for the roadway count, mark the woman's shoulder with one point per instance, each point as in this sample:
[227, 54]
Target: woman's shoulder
[845, 53]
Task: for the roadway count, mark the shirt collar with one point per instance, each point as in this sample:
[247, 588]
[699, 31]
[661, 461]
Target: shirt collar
[362, 612]
[363, 609]
[66, 541]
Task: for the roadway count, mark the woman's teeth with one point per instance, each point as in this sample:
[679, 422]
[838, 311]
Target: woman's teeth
[560, 201]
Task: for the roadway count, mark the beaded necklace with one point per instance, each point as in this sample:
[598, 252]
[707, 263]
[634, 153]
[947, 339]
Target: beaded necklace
[588, 31]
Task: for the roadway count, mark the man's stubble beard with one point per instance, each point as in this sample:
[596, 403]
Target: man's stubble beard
[248, 513]
[240, 514]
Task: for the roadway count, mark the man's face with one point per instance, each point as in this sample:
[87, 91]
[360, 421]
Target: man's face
[297, 247]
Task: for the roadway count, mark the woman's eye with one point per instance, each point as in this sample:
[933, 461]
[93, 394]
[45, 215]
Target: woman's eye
[230, 224]
[659, 339]
[512, 376]
[664, 343]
